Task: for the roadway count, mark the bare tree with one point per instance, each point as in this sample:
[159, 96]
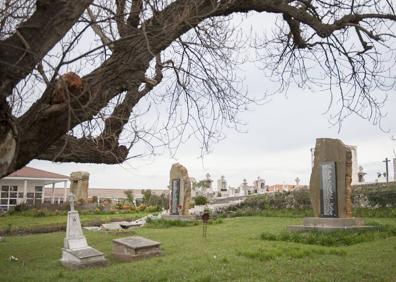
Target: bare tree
[72, 72]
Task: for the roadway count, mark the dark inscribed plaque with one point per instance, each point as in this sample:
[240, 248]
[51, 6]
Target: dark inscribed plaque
[175, 196]
[328, 190]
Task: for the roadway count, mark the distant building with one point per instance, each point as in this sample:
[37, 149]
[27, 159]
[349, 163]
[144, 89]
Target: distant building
[35, 186]
[28, 185]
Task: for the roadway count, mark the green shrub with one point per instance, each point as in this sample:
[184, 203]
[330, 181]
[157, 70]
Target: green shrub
[200, 200]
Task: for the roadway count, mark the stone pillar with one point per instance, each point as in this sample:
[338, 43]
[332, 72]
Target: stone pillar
[331, 189]
[336, 193]
[180, 195]
[79, 185]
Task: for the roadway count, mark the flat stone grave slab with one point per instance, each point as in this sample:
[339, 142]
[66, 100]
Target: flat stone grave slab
[82, 258]
[135, 248]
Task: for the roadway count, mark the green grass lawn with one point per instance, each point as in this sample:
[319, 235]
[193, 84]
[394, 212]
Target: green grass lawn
[22, 221]
[233, 251]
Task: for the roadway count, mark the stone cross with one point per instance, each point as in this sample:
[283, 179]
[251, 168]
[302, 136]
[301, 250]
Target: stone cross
[71, 199]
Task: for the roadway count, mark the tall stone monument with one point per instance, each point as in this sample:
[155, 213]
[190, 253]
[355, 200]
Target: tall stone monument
[76, 253]
[331, 189]
[180, 195]
[79, 181]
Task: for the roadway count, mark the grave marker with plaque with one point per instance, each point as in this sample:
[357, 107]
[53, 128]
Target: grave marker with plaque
[180, 194]
[175, 197]
[330, 189]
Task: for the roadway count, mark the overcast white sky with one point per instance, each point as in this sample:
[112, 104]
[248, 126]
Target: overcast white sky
[276, 146]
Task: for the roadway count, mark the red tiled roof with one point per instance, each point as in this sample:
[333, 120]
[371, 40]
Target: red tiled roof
[36, 173]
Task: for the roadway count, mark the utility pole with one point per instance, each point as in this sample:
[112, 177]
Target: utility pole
[386, 161]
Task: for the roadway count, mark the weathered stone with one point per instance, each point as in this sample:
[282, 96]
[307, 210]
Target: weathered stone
[135, 248]
[180, 185]
[79, 181]
[333, 150]
[331, 190]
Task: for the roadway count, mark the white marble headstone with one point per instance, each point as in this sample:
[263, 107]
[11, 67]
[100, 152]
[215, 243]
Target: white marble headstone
[74, 239]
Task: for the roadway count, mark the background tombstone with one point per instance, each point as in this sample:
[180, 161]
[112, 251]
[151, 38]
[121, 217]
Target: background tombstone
[180, 195]
[79, 181]
[331, 189]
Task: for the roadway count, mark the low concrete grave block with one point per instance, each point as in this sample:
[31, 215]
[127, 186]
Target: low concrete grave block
[135, 248]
